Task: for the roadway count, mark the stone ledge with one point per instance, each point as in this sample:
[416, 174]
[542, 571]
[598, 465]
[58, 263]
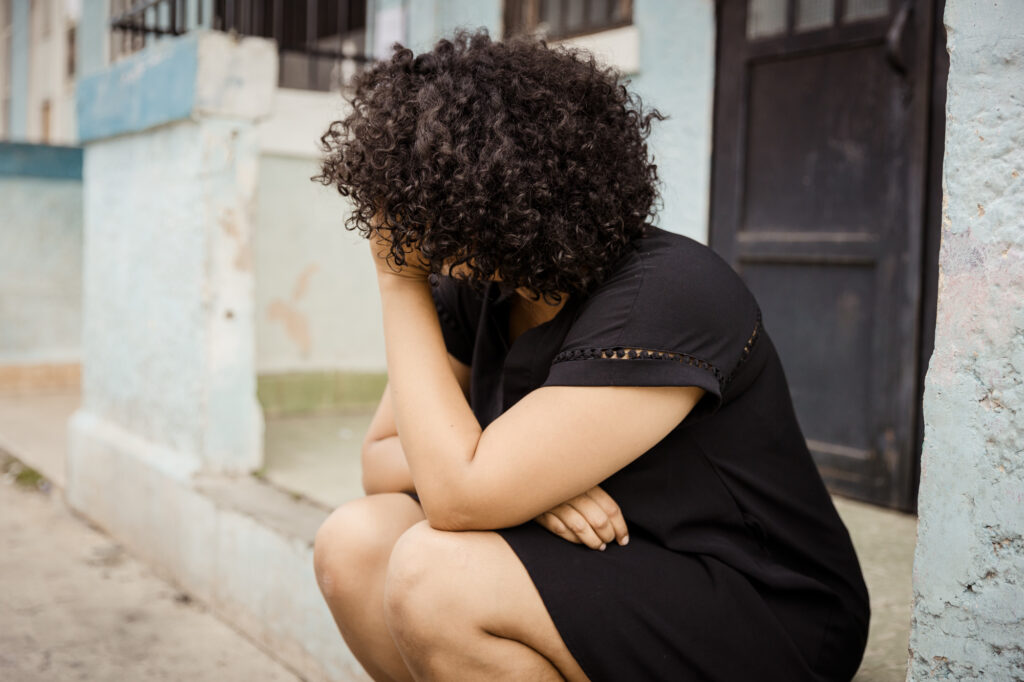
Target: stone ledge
[237, 544]
[202, 73]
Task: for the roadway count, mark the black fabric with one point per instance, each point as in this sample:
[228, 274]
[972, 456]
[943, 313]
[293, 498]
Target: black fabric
[458, 308]
[738, 566]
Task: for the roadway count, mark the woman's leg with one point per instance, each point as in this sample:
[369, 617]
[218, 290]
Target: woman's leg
[351, 557]
[461, 606]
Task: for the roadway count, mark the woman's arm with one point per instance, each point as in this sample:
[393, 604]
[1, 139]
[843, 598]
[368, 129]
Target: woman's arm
[385, 469]
[554, 444]
[592, 518]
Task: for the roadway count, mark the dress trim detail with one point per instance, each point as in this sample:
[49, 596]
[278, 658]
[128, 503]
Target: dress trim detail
[748, 348]
[623, 352]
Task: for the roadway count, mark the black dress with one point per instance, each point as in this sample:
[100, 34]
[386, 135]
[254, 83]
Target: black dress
[738, 566]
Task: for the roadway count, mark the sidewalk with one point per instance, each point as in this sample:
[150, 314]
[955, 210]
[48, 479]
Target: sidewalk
[74, 606]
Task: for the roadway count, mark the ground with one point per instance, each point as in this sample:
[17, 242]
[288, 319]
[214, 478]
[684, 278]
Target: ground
[75, 606]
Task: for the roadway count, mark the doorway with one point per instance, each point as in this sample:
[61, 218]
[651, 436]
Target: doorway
[825, 198]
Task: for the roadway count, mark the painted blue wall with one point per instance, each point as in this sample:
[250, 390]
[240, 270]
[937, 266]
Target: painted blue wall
[18, 114]
[677, 75]
[40, 253]
[116, 100]
[40, 161]
[91, 38]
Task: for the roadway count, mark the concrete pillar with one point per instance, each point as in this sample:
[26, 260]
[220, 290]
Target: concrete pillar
[969, 566]
[170, 171]
[17, 115]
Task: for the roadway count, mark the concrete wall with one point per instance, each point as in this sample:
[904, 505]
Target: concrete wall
[169, 417]
[315, 311]
[50, 85]
[40, 86]
[168, 349]
[19, 62]
[40, 254]
[969, 566]
[677, 75]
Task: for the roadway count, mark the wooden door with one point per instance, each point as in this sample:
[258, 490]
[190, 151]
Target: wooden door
[819, 201]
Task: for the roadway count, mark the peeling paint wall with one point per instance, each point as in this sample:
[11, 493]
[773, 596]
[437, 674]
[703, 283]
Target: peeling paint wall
[169, 201]
[968, 618]
[314, 309]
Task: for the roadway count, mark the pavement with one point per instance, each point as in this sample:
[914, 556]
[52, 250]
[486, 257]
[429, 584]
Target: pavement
[75, 606]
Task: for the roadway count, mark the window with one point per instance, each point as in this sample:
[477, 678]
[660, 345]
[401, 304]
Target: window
[70, 66]
[44, 121]
[559, 19]
[124, 42]
[320, 42]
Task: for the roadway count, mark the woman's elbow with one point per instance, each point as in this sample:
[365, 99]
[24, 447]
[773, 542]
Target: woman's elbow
[447, 510]
[453, 512]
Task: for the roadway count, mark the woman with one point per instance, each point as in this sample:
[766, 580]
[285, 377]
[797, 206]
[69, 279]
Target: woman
[590, 401]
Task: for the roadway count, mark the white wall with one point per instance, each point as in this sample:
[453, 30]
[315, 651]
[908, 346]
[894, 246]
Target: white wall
[48, 79]
[40, 270]
[317, 307]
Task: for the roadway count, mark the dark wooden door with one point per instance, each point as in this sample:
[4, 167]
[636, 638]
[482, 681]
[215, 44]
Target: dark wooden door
[819, 201]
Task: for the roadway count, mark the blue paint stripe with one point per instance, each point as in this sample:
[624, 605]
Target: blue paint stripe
[40, 161]
[152, 87]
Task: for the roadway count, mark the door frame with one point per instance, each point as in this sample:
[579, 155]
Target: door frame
[900, 443]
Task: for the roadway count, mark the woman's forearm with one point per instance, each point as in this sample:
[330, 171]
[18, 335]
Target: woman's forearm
[385, 469]
[438, 429]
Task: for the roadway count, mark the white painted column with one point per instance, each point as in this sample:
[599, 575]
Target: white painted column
[969, 567]
[170, 173]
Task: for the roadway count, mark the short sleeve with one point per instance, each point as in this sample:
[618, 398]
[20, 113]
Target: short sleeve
[458, 311]
[684, 318]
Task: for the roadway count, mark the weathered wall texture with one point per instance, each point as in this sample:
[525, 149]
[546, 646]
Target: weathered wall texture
[313, 313]
[168, 352]
[969, 566]
[40, 269]
[314, 310]
[167, 340]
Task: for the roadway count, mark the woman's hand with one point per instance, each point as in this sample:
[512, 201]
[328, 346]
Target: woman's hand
[593, 519]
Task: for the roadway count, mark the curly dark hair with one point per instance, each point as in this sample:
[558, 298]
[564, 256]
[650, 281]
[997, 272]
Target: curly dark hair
[512, 157]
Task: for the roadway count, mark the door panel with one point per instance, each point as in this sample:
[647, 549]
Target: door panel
[821, 118]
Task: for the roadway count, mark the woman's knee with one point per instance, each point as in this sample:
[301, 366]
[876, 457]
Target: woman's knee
[351, 546]
[422, 573]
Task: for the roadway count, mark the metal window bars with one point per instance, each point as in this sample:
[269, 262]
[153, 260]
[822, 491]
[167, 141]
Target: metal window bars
[321, 43]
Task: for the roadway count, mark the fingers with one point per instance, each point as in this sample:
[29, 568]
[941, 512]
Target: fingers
[554, 524]
[593, 519]
[612, 510]
[578, 524]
